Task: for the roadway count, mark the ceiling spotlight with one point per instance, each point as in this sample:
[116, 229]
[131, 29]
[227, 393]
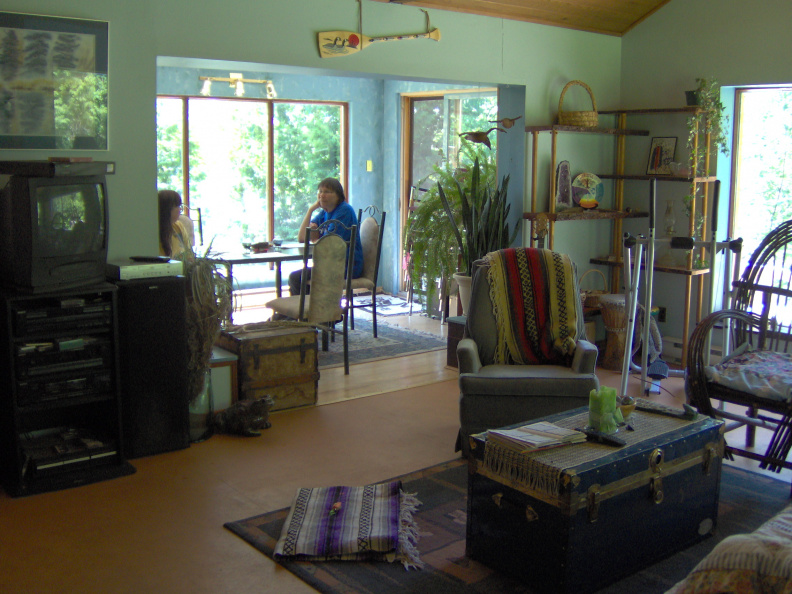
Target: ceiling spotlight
[239, 88]
[206, 90]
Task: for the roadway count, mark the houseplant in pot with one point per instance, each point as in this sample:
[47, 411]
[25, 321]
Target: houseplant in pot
[432, 252]
[479, 226]
[708, 120]
[209, 306]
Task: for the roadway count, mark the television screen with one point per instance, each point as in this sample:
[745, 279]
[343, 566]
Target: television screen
[71, 218]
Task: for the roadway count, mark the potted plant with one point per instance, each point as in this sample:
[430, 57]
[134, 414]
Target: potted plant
[209, 306]
[432, 252]
[483, 220]
[709, 119]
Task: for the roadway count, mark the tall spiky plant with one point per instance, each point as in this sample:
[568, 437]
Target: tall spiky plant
[483, 218]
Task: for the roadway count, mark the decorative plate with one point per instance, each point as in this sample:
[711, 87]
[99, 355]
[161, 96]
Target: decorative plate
[587, 190]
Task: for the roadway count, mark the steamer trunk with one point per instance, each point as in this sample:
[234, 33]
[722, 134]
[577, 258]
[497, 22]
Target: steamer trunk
[276, 360]
[605, 518]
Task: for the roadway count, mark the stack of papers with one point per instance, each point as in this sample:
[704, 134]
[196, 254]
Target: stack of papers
[536, 436]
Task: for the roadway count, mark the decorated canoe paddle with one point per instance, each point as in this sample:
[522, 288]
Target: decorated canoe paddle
[342, 43]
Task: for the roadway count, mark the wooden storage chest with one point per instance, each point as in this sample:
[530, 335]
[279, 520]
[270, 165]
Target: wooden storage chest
[578, 520]
[276, 360]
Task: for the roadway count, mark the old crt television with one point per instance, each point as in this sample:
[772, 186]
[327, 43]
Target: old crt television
[53, 225]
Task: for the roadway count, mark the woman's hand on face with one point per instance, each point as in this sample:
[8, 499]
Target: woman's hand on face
[315, 206]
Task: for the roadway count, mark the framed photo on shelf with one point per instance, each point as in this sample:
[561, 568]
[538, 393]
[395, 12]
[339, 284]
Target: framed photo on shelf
[54, 91]
[661, 154]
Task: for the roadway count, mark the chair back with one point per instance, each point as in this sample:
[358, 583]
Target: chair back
[765, 289]
[481, 324]
[331, 273]
[371, 232]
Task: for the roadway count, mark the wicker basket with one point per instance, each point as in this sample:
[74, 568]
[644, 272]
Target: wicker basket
[591, 298]
[584, 119]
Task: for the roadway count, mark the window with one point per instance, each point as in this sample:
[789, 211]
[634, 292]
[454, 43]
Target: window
[763, 164]
[252, 166]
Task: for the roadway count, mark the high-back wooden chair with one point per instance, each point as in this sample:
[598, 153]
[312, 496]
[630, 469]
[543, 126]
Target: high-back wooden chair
[371, 232]
[752, 385]
[330, 284]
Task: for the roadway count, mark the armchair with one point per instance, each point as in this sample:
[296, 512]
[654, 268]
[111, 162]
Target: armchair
[751, 387]
[494, 394]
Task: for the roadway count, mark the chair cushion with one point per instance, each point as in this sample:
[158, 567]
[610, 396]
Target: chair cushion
[528, 380]
[290, 307]
[765, 374]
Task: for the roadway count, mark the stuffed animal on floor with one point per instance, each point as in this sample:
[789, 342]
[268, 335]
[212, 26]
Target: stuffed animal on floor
[245, 417]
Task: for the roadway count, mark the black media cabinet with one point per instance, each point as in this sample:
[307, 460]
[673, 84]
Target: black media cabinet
[60, 406]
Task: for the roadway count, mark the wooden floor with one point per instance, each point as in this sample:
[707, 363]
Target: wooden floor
[161, 529]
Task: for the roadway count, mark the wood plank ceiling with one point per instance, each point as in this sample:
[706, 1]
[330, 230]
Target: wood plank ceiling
[609, 17]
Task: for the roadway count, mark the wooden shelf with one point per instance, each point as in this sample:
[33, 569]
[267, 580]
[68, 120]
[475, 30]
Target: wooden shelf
[691, 109]
[582, 214]
[585, 130]
[673, 178]
[606, 261]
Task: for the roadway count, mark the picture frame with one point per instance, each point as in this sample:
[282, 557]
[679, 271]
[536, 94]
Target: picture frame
[661, 153]
[54, 84]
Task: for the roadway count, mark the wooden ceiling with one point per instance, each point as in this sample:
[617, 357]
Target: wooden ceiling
[609, 17]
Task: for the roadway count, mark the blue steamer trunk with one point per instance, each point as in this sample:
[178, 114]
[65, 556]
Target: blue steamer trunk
[609, 517]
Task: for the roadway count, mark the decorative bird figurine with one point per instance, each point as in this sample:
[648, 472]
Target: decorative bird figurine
[480, 136]
[506, 122]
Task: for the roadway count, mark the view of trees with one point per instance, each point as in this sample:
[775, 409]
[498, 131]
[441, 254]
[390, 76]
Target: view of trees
[229, 163]
[764, 194]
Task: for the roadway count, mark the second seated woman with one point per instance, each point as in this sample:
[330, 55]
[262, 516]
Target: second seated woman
[331, 204]
[172, 234]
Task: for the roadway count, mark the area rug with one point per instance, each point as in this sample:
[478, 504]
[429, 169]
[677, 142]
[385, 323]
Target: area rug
[388, 305]
[747, 500]
[390, 342]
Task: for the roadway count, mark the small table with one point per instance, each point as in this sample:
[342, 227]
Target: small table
[581, 516]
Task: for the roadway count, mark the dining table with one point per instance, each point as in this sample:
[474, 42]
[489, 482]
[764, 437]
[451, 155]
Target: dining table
[275, 256]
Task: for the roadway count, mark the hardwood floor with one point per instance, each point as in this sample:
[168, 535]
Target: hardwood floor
[161, 529]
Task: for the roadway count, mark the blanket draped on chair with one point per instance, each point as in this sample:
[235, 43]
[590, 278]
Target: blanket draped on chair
[373, 522]
[533, 298]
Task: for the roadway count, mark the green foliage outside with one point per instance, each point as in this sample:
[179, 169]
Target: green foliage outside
[229, 167]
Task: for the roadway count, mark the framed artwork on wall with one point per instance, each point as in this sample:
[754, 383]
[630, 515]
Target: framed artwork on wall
[53, 83]
[660, 155]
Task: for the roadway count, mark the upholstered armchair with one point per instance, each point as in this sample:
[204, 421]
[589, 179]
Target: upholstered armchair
[498, 394]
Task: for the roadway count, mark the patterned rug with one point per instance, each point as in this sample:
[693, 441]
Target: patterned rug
[747, 499]
[390, 342]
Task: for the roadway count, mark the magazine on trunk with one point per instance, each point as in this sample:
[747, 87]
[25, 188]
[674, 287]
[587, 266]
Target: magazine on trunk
[536, 436]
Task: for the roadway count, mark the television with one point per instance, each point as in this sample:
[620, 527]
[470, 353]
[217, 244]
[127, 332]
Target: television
[53, 228]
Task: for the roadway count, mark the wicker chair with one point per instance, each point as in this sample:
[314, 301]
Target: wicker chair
[759, 326]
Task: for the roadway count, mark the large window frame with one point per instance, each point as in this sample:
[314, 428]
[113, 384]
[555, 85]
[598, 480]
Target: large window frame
[270, 190]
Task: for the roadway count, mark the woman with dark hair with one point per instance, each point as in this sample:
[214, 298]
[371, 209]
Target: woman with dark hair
[331, 204]
[172, 234]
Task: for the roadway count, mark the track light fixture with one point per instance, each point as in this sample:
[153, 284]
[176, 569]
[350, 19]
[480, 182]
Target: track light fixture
[235, 81]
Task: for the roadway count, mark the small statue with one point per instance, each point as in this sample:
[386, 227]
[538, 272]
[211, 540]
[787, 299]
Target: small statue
[245, 417]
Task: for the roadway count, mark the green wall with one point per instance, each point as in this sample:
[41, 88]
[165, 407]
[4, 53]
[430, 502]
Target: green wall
[475, 49]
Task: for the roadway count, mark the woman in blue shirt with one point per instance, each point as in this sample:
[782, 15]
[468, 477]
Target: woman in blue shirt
[331, 204]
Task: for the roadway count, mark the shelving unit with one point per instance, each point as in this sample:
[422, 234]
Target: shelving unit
[543, 223]
[60, 410]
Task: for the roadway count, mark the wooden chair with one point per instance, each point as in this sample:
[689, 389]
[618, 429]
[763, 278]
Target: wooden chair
[331, 286]
[757, 339]
[371, 232]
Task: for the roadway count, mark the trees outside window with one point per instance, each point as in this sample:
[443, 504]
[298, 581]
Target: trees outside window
[253, 165]
[763, 188]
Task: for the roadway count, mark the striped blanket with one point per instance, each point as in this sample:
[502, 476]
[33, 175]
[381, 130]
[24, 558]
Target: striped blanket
[374, 522]
[533, 298]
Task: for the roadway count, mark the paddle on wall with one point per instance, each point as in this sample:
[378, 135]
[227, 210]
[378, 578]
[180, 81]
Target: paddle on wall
[333, 44]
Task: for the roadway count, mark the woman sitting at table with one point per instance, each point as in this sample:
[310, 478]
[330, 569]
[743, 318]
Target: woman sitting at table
[172, 234]
[331, 204]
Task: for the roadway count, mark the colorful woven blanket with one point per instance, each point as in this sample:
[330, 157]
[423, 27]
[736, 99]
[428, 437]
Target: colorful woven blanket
[374, 522]
[533, 298]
